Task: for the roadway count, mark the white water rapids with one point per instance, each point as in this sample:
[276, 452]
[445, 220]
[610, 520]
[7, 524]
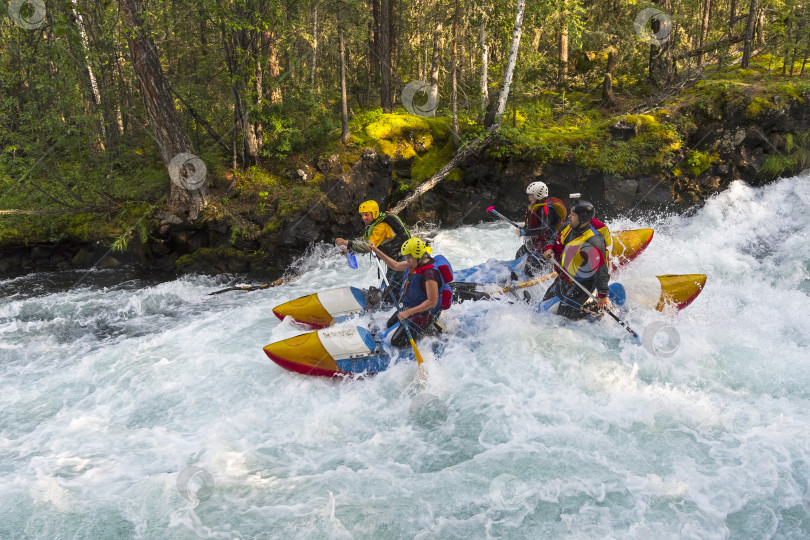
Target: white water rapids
[148, 410]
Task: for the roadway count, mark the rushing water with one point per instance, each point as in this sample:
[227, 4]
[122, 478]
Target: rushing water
[148, 410]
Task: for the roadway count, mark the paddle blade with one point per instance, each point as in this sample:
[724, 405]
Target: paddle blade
[490, 209]
[352, 260]
[420, 362]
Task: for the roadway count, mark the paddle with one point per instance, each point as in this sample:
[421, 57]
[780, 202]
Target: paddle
[590, 295]
[469, 289]
[350, 258]
[419, 360]
[498, 215]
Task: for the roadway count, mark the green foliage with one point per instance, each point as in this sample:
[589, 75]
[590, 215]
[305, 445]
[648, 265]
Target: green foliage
[697, 162]
[758, 106]
[432, 161]
[793, 157]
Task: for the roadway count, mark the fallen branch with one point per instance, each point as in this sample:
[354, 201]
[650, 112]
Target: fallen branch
[89, 210]
[465, 152]
[706, 48]
[275, 283]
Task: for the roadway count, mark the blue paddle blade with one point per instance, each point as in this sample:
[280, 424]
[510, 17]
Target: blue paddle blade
[352, 260]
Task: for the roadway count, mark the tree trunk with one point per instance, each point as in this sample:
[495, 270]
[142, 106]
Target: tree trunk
[374, 40]
[344, 106]
[454, 74]
[704, 29]
[461, 57]
[108, 138]
[314, 48]
[661, 52]
[732, 16]
[385, 55]
[510, 63]
[169, 134]
[608, 99]
[233, 41]
[259, 95]
[482, 40]
[270, 44]
[433, 98]
[804, 62]
[563, 42]
[749, 35]
[392, 51]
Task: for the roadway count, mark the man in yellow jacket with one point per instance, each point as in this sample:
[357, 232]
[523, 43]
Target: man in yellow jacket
[386, 231]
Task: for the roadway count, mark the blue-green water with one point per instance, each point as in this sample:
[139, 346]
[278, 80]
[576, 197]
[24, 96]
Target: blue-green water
[529, 426]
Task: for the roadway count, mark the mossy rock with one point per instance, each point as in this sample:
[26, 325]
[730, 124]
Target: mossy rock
[432, 161]
[403, 136]
[757, 107]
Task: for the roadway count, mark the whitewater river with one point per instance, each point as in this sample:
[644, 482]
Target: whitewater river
[132, 408]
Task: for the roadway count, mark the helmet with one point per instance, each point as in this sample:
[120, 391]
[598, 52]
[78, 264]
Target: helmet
[415, 247]
[370, 206]
[538, 189]
[584, 210]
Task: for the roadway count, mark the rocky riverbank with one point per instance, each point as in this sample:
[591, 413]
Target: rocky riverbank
[257, 224]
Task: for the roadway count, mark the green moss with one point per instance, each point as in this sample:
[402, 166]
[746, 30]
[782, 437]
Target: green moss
[697, 162]
[297, 198]
[432, 161]
[79, 227]
[401, 135]
[758, 106]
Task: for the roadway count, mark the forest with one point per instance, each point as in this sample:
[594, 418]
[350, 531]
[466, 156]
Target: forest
[98, 97]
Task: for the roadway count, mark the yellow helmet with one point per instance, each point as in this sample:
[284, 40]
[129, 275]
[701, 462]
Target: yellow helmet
[415, 247]
[370, 206]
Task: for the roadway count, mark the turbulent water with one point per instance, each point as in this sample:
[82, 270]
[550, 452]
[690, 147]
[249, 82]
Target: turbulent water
[148, 410]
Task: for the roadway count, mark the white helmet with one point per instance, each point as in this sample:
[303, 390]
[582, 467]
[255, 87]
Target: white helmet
[538, 189]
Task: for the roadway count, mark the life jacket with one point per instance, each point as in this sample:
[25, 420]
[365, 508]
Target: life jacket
[602, 229]
[572, 260]
[413, 295]
[558, 206]
[401, 233]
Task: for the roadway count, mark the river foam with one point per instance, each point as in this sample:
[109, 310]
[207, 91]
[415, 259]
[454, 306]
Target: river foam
[148, 410]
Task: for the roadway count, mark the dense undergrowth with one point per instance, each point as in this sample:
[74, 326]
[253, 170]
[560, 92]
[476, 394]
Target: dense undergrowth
[106, 195]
